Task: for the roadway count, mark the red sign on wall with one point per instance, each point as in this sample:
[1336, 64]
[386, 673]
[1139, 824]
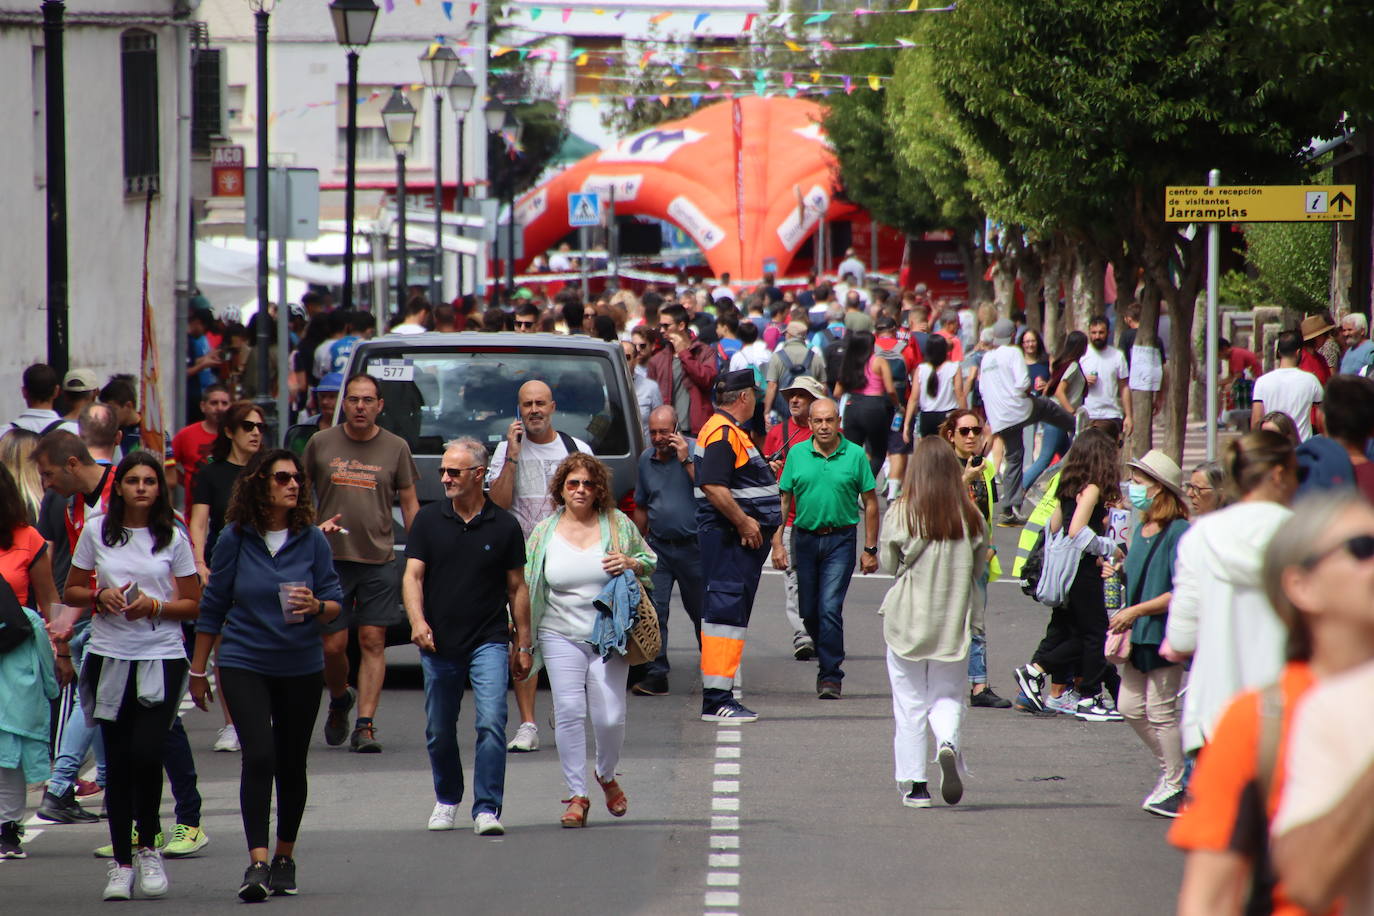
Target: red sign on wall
[226, 171]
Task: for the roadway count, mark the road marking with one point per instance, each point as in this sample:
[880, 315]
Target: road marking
[727, 752]
[725, 786]
[727, 769]
[725, 842]
[722, 858]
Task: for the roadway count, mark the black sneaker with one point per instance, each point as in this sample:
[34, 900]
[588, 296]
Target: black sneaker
[828, 690]
[65, 809]
[727, 710]
[918, 797]
[281, 876]
[254, 887]
[988, 700]
[804, 651]
[336, 723]
[1167, 807]
[11, 841]
[651, 685]
[1032, 685]
[364, 741]
[951, 785]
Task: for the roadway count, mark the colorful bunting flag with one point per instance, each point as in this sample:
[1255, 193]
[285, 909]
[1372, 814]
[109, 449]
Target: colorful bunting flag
[848, 86]
[815, 18]
[660, 18]
[873, 82]
[701, 17]
[748, 23]
[535, 13]
[448, 9]
[792, 46]
[566, 14]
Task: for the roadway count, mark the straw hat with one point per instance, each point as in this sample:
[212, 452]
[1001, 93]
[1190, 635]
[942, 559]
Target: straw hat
[1315, 326]
[1161, 468]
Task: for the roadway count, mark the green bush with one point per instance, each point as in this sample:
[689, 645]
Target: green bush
[1292, 263]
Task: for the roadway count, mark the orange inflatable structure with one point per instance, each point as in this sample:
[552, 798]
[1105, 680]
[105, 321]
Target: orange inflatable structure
[747, 179]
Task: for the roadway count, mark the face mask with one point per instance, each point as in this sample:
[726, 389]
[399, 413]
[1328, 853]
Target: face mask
[1136, 493]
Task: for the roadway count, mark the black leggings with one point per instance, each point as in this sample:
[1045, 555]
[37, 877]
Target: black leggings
[274, 717]
[1077, 633]
[867, 421]
[134, 746]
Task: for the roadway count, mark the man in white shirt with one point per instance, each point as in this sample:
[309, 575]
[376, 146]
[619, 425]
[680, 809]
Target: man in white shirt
[1005, 384]
[1108, 397]
[39, 389]
[518, 479]
[1288, 389]
[853, 266]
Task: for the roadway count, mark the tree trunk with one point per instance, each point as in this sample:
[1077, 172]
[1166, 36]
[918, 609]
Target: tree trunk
[975, 263]
[1088, 285]
[1053, 277]
[1030, 271]
[1004, 284]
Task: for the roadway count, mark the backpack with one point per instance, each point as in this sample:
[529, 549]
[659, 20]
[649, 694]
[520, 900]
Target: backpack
[724, 353]
[1033, 565]
[901, 379]
[1323, 465]
[15, 629]
[834, 357]
[790, 373]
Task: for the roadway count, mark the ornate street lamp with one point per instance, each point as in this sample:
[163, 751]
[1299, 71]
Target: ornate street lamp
[353, 22]
[438, 64]
[461, 91]
[398, 118]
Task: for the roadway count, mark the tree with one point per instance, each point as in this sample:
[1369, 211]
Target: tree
[544, 126]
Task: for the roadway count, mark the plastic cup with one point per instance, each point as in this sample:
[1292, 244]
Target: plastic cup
[284, 593]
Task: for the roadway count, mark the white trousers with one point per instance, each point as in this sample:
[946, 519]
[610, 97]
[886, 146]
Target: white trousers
[583, 682]
[926, 695]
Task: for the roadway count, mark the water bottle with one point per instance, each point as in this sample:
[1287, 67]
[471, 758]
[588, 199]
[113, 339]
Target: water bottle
[897, 422]
[1114, 593]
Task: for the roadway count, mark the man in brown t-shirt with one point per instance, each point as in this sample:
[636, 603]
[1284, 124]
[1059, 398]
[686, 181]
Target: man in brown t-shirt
[357, 470]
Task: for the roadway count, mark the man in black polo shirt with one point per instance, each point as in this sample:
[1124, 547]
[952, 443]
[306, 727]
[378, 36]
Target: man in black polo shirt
[465, 565]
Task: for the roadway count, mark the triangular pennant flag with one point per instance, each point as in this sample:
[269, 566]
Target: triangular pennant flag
[735, 72]
[582, 60]
[787, 79]
[566, 14]
[791, 93]
[748, 23]
[629, 102]
[827, 45]
[535, 13]
[713, 84]
[780, 20]
[660, 17]
[645, 58]
[499, 50]
[701, 17]
[848, 85]
[873, 82]
[792, 46]
[664, 100]
[696, 99]
[677, 68]
[472, 9]
[391, 6]
[670, 81]
[815, 76]
[906, 43]
[816, 17]
[448, 9]
[915, 5]
[760, 86]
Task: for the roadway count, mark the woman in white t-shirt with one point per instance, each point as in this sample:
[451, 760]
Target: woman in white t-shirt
[939, 389]
[134, 567]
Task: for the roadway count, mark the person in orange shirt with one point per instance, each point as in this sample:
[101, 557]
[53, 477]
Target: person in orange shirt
[1223, 828]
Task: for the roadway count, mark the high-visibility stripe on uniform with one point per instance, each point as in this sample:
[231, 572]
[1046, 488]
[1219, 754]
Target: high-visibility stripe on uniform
[752, 485]
[1039, 518]
[720, 658]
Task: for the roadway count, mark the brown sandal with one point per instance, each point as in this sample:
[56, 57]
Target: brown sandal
[616, 803]
[576, 815]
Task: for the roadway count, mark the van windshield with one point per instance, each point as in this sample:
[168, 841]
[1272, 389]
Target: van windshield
[434, 396]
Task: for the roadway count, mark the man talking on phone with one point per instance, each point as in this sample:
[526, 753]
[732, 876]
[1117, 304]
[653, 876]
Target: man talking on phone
[518, 480]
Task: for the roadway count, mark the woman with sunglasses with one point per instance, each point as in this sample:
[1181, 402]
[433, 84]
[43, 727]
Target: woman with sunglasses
[1219, 613]
[134, 567]
[573, 555]
[273, 575]
[240, 436]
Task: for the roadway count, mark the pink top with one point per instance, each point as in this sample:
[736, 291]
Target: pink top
[873, 382]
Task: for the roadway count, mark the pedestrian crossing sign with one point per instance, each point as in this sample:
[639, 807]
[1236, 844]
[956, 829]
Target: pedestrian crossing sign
[584, 210]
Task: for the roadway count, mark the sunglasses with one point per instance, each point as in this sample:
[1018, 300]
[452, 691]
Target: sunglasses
[572, 484]
[458, 472]
[1360, 547]
[970, 430]
[285, 477]
[524, 324]
[249, 426]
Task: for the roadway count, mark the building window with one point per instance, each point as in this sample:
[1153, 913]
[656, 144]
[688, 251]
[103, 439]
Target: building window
[207, 98]
[138, 80]
[373, 148]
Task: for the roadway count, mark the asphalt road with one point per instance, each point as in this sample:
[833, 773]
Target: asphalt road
[794, 814]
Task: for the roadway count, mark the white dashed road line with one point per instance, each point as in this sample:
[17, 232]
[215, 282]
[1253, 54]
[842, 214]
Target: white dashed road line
[723, 859]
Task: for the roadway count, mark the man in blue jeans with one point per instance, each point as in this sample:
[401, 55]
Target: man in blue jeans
[665, 512]
[827, 477]
[465, 565]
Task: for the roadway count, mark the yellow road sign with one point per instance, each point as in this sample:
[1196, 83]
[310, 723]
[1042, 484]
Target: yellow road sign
[1284, 203]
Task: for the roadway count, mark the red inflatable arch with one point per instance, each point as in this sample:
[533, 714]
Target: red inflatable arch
[747, 179]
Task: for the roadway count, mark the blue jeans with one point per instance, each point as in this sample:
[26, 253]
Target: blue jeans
[445, 678]
[77, 736]
[681, 563]
[1053, 441]
[824, 563]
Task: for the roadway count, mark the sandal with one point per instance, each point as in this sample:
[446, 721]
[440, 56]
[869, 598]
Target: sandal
[576, 815]
[616, 802]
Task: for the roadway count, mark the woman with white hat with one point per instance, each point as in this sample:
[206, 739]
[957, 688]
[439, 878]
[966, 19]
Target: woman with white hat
[1148, 698]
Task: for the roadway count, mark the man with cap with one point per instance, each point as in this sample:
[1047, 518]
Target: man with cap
[826, 478]
[793, 429]
[738, 509]
[789, 362]
[1005, 386]
[326, 399]
[79, 388]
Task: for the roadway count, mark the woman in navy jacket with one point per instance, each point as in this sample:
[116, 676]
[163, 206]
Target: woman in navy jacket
[272, 572]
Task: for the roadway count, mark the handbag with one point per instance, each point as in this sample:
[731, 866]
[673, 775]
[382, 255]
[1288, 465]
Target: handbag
[643, 642]
[1118, 647]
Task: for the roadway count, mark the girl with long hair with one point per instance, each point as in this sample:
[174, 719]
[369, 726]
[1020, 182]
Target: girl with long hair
[867, 379]
[938, 388]
[1072, 648]
[934, 541]
[1068, 386]
[273, 572]
[134, 566]
[16, 446]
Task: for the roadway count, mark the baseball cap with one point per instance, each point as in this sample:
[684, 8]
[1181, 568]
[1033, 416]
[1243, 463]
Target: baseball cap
[738, 380]
[332, 381]
[80, 381]
[1003, 331]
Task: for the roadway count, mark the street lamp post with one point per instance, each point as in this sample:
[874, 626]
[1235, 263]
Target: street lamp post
[438, 65]
[262, 10]
[398, 118]
[353, 21]
[501, 120]
[461, 90]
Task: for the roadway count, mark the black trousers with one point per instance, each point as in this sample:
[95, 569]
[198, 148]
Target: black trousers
[867, 421]
[274, 717]
[1077, 633]
[134, 746]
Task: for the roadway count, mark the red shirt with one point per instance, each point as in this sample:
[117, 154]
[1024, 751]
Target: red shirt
[190, 447]
[774, 447]
[1314, 362]
[1241, 360]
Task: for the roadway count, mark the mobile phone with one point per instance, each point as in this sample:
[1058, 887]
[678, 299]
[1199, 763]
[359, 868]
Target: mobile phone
[976, 461]
[132, 593]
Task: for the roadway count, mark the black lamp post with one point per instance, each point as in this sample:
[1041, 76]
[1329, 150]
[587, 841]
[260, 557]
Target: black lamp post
[262, 10]
[501, 120]
[438, 65]
[398, 118]
[461, 90]
[353, 21]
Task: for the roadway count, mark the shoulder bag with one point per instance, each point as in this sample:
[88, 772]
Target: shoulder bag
[643, 642]
[1118, 647]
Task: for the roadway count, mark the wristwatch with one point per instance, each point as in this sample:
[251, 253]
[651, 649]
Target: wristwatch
[871, 551]
[528, 650]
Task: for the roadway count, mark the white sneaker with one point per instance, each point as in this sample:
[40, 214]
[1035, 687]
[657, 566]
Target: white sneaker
[120, 885]
[227, 740]
[441, 818]
[487, 824]
[526, 739]
[152, 877]
[1161, 791]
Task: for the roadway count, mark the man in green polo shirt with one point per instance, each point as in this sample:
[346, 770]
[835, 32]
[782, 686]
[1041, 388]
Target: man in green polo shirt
[827, 477]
